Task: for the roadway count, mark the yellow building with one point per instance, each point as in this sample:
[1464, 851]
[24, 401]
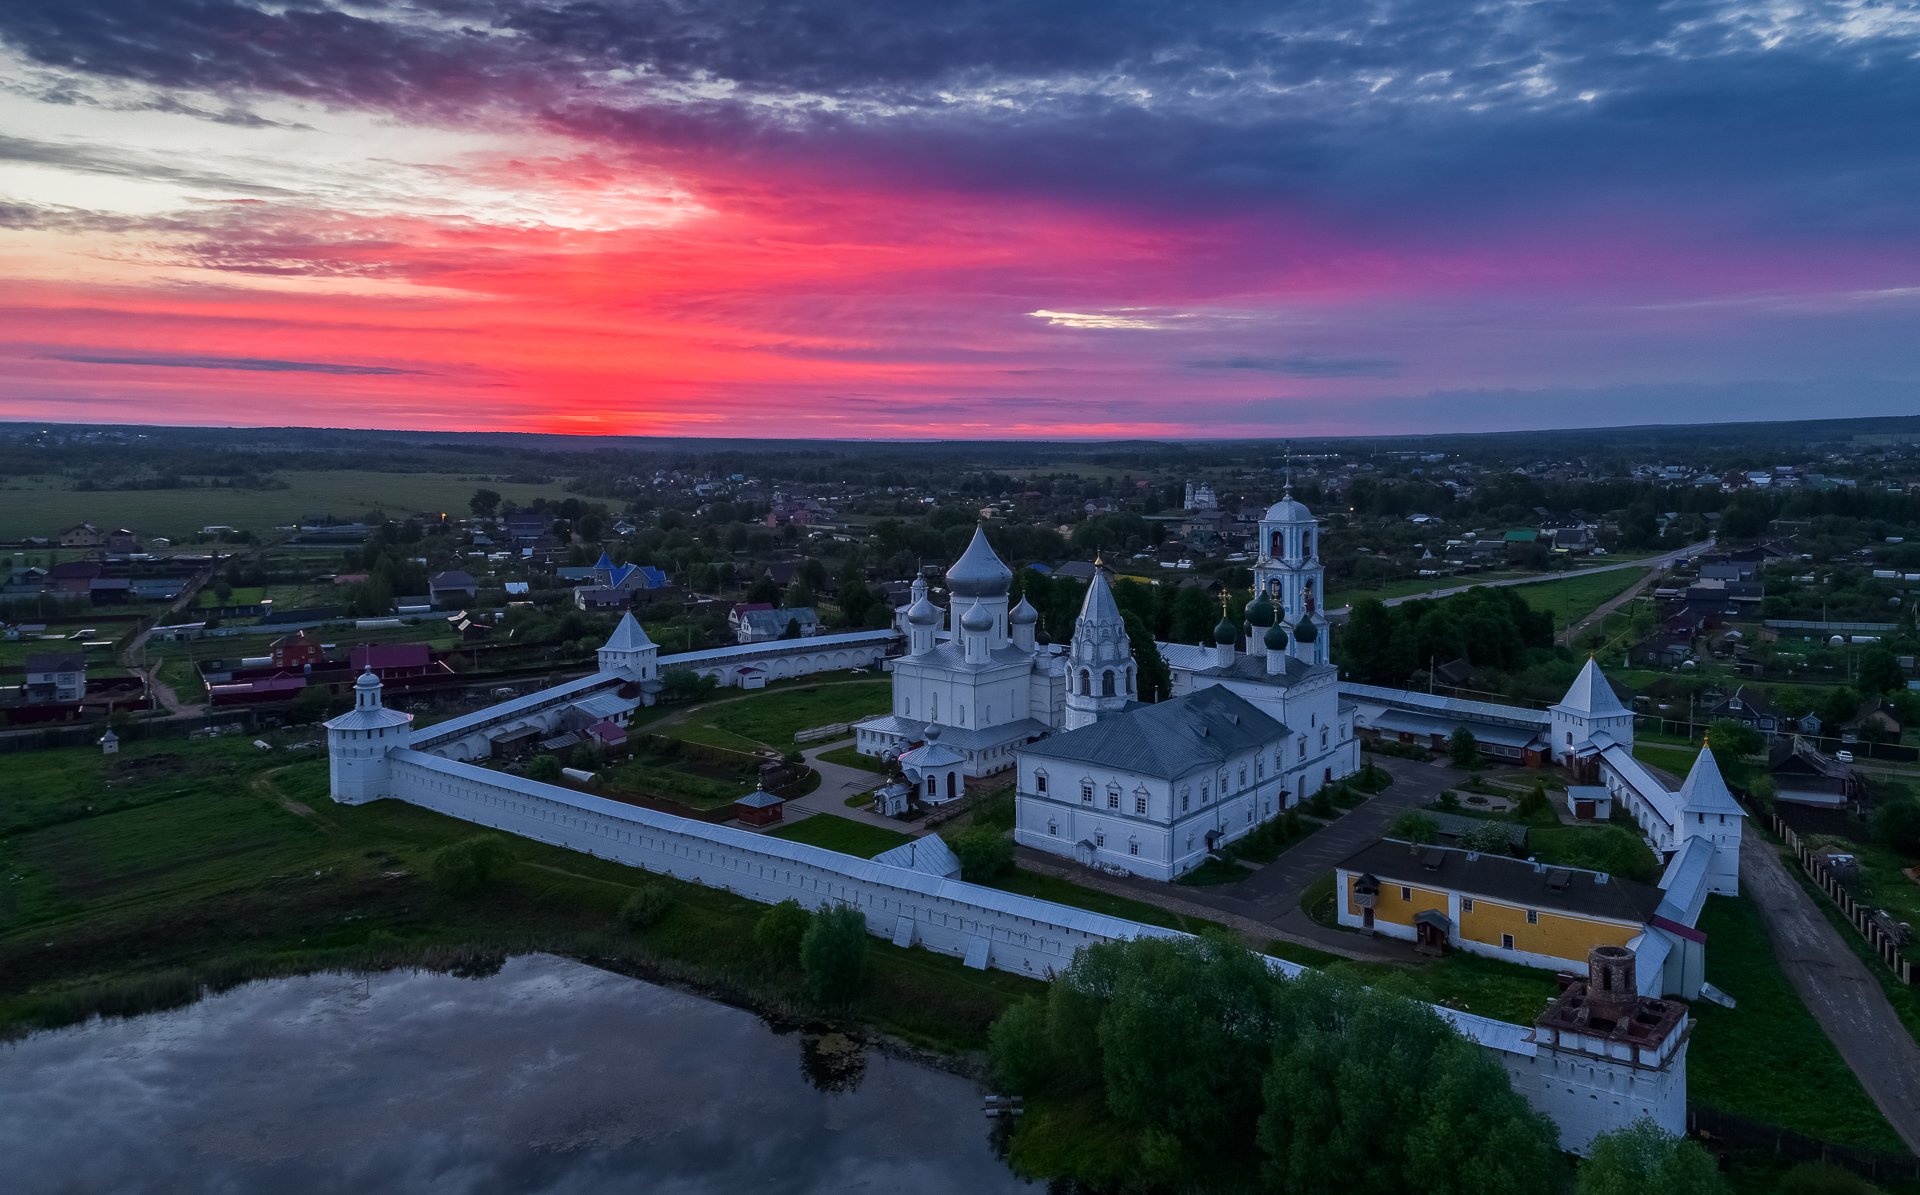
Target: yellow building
[1443, 898]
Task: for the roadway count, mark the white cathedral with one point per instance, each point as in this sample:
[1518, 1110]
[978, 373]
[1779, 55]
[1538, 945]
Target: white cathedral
[1101, 778]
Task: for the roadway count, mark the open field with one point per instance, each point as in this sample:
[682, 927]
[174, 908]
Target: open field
[841, 834]
[1576, 597]
[44, 505]
[1412, 586]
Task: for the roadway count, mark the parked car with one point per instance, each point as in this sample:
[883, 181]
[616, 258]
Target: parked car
[1843, 756]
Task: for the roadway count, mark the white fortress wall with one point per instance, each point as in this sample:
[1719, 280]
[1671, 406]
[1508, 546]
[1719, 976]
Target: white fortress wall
[984, 926]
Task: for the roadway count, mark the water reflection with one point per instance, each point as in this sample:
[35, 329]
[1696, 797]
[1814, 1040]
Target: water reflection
[548, 1076]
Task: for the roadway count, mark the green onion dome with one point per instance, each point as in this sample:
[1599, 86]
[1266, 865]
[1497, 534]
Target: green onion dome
[1305, 631]
[1260, 611]
[1226, 632]
[1276, 638]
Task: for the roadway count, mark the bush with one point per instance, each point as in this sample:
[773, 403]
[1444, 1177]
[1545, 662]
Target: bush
[1019, 1053]
[833, 954]
[1533, 804]
[544, 768]
[1897, 824]
[779, 930]
[1489, 836]
[1463, 749]
[1448, 801]
[984, 853]
[465, 867]
[649, 903]
[1414, 826]
[1320, 805]
[1642, 1157]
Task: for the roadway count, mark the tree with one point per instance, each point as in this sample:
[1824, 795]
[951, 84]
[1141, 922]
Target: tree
[1897, 824]
[833, 954]
[1368, 1091]
[1151, 674]
[984, 853]
[1487, 837]
[793, 629]
[650, 902]
[681, 685]
[1463, 749]
[1879, 672]
[484, 503]
[1732, 742]
[1643, 1157]
[764, 590]
[544, 768]
[309, 705]
[1414, 826]
[463, 868]
[779, 930]
[1837, 709]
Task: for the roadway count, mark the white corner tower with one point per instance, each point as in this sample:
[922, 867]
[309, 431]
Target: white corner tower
[358, 742]
[629, 650]
[1288, 573]
[1589, 708]
[1708, 810]
[1100, 668]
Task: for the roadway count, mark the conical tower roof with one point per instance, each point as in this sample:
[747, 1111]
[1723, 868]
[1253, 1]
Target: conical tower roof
[1705, 790]
[979, 572]
[1099, 608]
[1590, 695]
[628, 636]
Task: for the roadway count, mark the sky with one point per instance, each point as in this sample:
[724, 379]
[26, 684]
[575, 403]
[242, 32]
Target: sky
[964, 219]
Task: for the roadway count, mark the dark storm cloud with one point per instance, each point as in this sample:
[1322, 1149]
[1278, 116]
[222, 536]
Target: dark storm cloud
[1303, 365]
[254, 364]
[1425, 119]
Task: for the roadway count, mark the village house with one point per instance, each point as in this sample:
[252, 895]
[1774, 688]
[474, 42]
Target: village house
[55, 678]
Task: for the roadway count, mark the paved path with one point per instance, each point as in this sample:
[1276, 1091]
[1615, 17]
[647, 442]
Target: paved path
[837, 783]
[1836, 987]
[1651, 562]
[1272, 894]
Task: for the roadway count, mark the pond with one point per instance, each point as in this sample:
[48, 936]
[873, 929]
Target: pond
[545, 1076]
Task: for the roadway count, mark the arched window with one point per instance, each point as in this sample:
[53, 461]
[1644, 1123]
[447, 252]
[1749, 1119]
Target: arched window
[933, 786]
[952, 786]
[1086, 683]
[1106, 683]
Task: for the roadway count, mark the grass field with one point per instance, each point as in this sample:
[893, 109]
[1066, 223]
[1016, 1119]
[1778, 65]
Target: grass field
[1066, 892]
[842, 834]
[770, 719]
[45, 505]
[1768, 1059]
[849, 757]
[1675, 759]
[1576, 597]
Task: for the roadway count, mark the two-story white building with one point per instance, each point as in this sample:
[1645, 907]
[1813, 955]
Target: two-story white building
[1154, 788]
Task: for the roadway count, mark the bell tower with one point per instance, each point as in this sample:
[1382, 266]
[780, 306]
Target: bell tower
[1288, 573]
[1100, 669]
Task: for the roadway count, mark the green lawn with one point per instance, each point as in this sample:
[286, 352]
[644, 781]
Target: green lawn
[842, 834]
[1621, 852]
[1768, 1059]
[850, 757]
[770, 719]
[1576, 597]
[1677, 760]
[692, 782]
[42, 505]
[1066, 892]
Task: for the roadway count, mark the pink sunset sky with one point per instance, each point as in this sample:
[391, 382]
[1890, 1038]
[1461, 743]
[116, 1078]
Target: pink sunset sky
[965, 220]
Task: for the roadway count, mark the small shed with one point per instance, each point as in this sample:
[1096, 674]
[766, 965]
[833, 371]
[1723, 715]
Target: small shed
[759, 808]
[109, 743]
[1590, 802]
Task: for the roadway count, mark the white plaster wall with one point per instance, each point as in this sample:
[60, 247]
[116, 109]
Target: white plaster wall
[1001, 930]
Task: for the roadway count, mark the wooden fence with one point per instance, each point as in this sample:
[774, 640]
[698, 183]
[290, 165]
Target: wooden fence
[1857, 914]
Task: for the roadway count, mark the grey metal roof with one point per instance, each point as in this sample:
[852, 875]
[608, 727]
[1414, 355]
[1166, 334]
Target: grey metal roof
[454, 728]
[1171, 738]
[1683, 884]
[1590, 695]
[963, 737]
[929, 855]
[979, 572]
[757, 651]
[1189, 657]
[1498, 877]
[1445, 706]
[628, 636]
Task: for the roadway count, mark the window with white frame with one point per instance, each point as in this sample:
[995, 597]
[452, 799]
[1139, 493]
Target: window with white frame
[1113, 796]
[1040, 782]
[1086, 792]
[1186, 797]
[1053, 828]
[1466, 904]
[1533, 916]
[1099, 838]
[1133, 846]
[1140, 804]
